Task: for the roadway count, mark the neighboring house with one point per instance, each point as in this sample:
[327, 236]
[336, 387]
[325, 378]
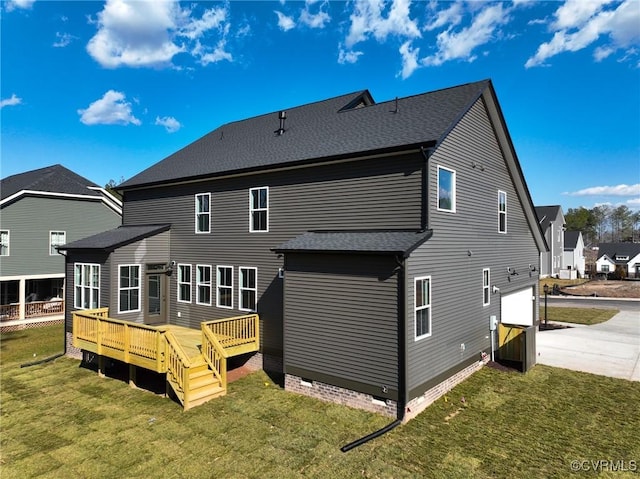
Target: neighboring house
[574, 252]
[39, 211]
[552, 224]
[620, 258]
[375, 240]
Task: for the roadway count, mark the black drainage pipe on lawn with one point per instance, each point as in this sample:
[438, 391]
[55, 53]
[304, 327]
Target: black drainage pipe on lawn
[373, 435]
[40, 361]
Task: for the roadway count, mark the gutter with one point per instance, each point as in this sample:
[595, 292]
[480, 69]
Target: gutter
[402, 363]
[426, 153]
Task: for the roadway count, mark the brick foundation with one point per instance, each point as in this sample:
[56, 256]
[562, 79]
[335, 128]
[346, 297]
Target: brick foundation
[420, 403]
[335, 394]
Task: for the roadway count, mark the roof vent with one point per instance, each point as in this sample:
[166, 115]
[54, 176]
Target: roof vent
[282, 116]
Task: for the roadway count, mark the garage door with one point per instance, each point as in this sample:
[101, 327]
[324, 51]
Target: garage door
[517, 308]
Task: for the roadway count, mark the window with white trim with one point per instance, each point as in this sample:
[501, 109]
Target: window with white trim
[184, 283]
[128, 288]
[86, 286]
[502, 212]
[203, 284]
[259, 209]
[605, 268]
[56, 238]
[4, 242]
[446, 189]
[248, 289]
[486, 291]
[203, 213]
[224, 286]
[422, 306]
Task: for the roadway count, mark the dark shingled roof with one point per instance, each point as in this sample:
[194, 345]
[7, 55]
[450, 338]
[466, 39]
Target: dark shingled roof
[115, 238]
[619, 249]
[318, 131]
[52, 179]
[373, 242]
[546, 214]
[571, 239]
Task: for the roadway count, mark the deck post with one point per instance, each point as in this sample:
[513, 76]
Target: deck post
[133, 376]
[101, 366]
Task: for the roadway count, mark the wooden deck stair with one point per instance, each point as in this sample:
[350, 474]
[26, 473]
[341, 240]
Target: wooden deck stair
[195, 362]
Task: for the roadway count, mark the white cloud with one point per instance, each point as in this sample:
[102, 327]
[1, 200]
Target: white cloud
[314, 20]
[111, 109]
[454, 45]
[578, 24]
[634, 203]
[451, 16]
[368, 19]
[64, 39]
[348, 56]
[409, 59]
[170, 123]
[284, 22]
[14, 100]
[13, 4]
[617, 190]
[133, 33]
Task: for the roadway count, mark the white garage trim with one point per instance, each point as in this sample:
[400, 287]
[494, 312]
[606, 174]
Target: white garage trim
[518, 307]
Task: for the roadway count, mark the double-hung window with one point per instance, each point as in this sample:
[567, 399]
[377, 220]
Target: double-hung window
[422, 306]
[502, 212]
[259, 209]
[86, 293]
[4, 242]
[203, 213]
[184, 283]
[224, 297]
[129, 288]
[203, 284]
[486, 279]
[56, 238]
[446, 189]
[248, 288]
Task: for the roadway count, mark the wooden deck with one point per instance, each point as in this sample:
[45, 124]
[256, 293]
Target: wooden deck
[194, 361]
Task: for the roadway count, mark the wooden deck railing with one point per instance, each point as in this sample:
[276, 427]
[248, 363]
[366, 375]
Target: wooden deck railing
[236, 335]
[132, 343]
[214, 354]
[9, 312]
[178, 365]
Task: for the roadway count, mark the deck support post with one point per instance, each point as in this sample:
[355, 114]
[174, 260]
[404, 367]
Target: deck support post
[133, 376]
[101, 366]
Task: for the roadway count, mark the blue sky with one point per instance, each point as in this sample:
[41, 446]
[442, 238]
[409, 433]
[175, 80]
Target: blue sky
[109, 88]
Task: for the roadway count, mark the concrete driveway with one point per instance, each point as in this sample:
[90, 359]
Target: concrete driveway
[610, 349]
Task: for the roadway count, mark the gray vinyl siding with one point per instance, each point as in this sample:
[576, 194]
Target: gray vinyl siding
[463, 244]
[100, 258]
[370, 194]
[30, 221]
[152, 250]
[341, 320]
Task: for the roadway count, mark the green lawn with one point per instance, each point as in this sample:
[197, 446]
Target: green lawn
[577, 315]
[62, 421]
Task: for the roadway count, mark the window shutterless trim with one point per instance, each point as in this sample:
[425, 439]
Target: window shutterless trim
[8, 243]
[198, 284]
[57, 243]
[453, 189]
[417, 308]
[181, 282]
[486, 282]
[198, 213]
[130, 288]
[502, 212]
[241, 288]
[252, 229]
[86, 286]
[223, 286]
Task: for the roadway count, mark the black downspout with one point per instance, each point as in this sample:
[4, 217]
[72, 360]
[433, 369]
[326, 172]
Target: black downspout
[402, 363]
